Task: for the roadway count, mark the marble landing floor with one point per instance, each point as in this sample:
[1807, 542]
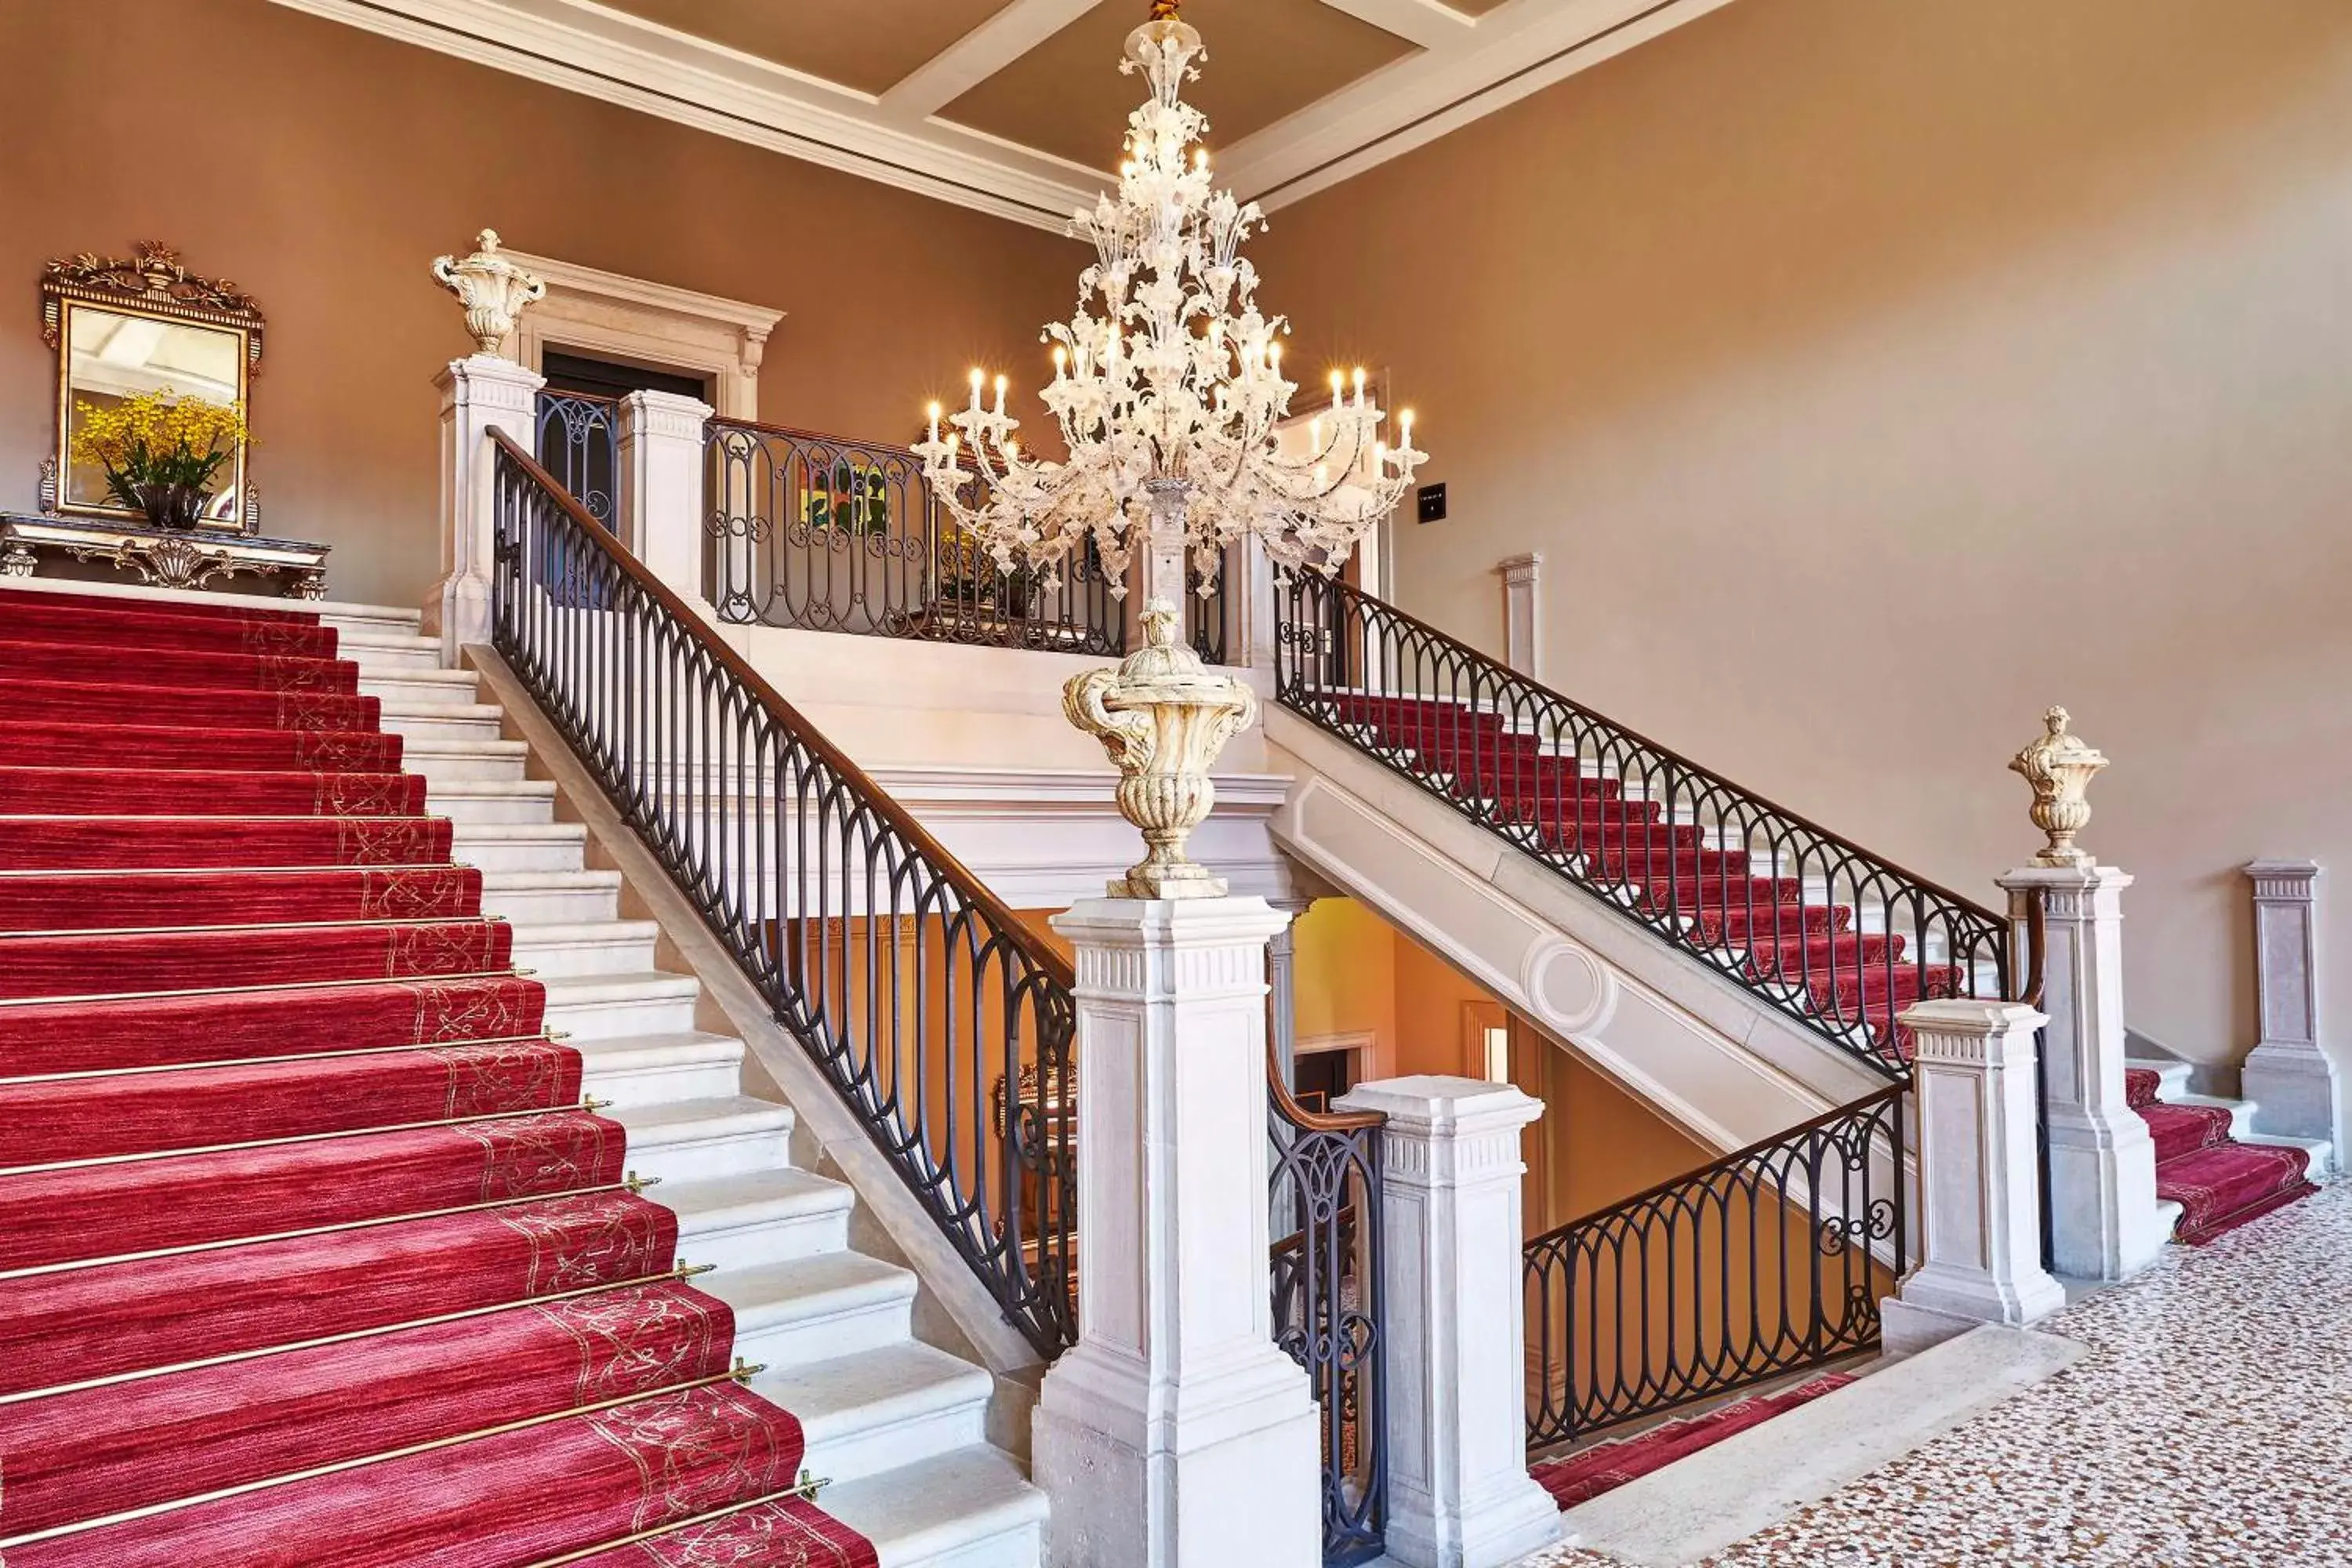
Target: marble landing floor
[2209, 1427]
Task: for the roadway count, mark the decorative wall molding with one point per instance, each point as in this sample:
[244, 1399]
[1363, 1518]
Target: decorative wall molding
[1465, 68]
[634, 319]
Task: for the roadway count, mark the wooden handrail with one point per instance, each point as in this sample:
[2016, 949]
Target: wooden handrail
[975, 892]
[1314, 1120]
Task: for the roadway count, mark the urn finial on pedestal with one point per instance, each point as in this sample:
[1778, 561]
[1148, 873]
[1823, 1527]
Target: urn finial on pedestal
[493, 290]
[1162, 716]
[2060, 767]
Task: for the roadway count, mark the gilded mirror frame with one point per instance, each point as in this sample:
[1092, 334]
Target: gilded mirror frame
[154, 284]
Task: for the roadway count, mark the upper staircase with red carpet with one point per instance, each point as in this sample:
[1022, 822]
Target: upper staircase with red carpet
[368, 1193]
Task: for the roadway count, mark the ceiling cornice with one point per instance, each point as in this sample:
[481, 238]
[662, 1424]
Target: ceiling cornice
[1511, 52]
[1465, 66]
[624, 59]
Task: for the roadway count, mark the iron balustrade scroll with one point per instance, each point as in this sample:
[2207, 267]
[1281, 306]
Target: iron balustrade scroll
[1326, 1278]
[1830, 934]
[912, 988]
[1771, 1261]
[826, 535]
[580, 446]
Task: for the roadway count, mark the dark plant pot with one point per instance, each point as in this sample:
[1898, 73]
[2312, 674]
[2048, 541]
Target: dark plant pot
[175, 506]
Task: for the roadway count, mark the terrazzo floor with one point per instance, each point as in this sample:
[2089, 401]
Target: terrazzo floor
[2209, 1427]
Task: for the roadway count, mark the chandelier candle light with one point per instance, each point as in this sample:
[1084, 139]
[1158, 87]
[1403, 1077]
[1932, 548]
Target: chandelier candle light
[1169, 395]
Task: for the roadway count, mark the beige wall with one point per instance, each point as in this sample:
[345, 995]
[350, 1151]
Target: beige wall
[1875, 372]
[322, 167]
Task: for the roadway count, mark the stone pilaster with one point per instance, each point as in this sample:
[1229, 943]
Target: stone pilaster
[2288, 1074]
[1523, 612]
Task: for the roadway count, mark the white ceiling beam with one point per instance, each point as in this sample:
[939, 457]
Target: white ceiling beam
[981, 53]
[624, 59]
[1515, 51]
[1424, 22]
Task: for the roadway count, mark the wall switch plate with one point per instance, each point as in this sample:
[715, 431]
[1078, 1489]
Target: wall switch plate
[1432, 501]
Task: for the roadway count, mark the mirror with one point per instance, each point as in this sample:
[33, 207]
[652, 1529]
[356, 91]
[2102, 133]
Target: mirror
[147, 327]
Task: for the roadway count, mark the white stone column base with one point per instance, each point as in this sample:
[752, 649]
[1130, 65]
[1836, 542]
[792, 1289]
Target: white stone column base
[479, 394]
[2296, 1094]
[1129, 1488]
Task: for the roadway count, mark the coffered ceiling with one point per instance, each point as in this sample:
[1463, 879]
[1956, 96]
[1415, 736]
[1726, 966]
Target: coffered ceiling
[1016, 107]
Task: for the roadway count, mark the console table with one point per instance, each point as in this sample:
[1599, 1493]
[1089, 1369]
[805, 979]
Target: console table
[166, 558]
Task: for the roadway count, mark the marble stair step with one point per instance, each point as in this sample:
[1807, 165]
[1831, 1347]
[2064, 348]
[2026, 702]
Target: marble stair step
[695, 1140]
[444, 760]
[521, 845]
[880, 1409]
[422, 687]
[744, 1222]
[969, 1509]
[491, 800]
[414, 721]
[578, 949]
[632, 1071]
[379, 651]
[590, 1007]
[552, 898]
[799, 1310]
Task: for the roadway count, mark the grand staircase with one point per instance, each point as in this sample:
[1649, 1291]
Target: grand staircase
[368, 1194]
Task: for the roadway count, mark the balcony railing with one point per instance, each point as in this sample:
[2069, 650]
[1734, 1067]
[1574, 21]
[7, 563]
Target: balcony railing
[824, 534]
[1769, 1261]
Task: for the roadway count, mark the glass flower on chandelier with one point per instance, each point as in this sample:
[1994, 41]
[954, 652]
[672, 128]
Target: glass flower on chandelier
[1168, 385]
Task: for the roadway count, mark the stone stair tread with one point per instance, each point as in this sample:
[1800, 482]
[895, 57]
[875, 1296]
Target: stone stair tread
[684, 1120]
[511, 789]
[919, 1512]
[728, 1203]
[821, 1285]
[580, 990]
[410, 750]
[393, 708]
[553, 932]
[874, 1388]
[581, 878]
[618, 1053]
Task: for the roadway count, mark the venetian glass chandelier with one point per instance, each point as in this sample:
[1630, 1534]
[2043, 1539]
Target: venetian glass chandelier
[1169, 386]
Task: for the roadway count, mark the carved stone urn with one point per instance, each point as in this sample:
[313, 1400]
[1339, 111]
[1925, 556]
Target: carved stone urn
[1162, 716]
[493, 290]
[2060, 767]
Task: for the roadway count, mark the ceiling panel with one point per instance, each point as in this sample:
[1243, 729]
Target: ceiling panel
[868, 44]
[1265, 59]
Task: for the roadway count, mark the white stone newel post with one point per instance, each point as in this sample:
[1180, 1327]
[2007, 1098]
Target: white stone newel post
[1980, 1176]
[1174, 1434]
[661, 481]
[1523, 612]
[2287, 1074]
[479, 394]
[1454, 1304]
[2104, 1218]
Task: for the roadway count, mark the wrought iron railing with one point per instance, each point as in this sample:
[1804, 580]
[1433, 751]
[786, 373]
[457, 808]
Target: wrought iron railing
[826, 535]
[580, 446]
[1832, 935]
[1769, 1261]
[1325, 1266]
[915, 990]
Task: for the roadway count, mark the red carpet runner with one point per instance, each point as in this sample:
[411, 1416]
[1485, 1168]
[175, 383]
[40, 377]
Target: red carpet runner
[1806, 951]
[2219, 1183]
[311, 1251]
[1603, 1468]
